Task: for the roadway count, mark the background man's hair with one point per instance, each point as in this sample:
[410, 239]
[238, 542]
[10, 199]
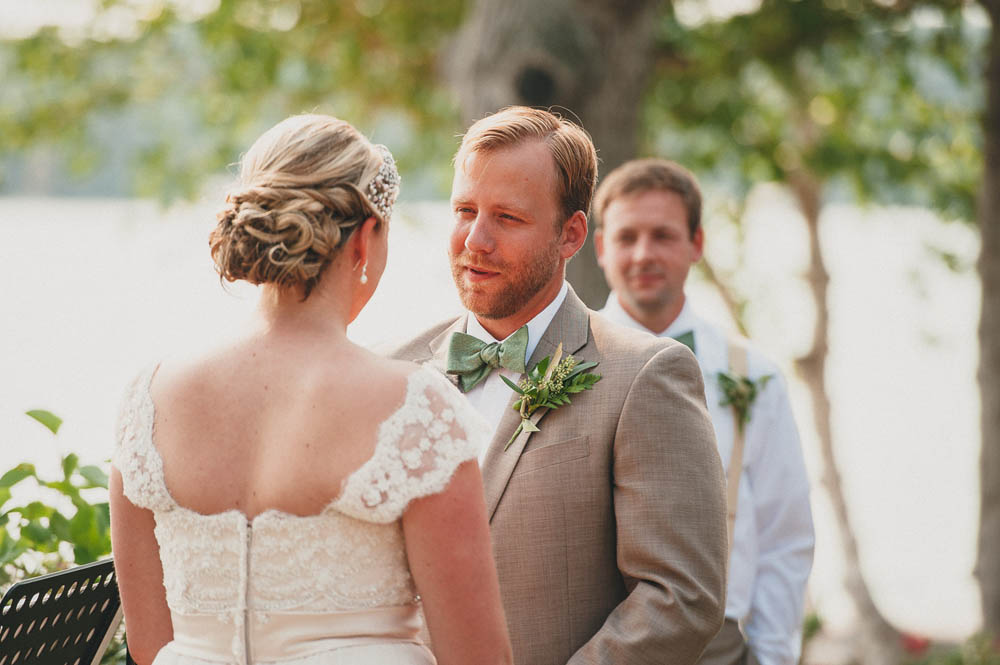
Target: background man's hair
[644, 175]
[570, 146]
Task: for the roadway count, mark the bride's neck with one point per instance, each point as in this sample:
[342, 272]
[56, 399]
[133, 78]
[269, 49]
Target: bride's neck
[283, 312]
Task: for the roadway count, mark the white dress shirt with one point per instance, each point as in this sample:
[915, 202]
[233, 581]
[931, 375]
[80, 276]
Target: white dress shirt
[773, 535]
[491, 396]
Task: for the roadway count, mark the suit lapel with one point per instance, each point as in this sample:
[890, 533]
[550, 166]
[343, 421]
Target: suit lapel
[570, 326]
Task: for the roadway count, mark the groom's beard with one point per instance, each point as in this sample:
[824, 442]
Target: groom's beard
[509, 291]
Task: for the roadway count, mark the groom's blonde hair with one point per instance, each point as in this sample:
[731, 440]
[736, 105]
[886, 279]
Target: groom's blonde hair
[569, 144]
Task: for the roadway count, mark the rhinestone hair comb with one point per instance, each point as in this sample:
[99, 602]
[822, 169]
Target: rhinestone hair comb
[384, 187]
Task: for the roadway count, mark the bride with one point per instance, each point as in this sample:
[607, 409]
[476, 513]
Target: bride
[291, 497]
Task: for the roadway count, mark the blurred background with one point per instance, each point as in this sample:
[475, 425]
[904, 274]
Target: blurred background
[846, 152]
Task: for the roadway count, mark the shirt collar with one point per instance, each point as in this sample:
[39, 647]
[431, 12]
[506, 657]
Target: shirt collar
[536, 326]
[686, 321]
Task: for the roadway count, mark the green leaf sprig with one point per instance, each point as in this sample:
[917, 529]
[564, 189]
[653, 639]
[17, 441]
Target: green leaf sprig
[549, 384]
[740, 392]
[71, 510]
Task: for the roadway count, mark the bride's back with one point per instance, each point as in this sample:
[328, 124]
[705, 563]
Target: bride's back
[270, 424]
[279, 417]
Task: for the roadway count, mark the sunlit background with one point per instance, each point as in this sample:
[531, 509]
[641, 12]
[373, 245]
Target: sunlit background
[105, 265]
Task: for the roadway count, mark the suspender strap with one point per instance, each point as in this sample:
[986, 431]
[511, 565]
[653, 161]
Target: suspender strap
[737, 367]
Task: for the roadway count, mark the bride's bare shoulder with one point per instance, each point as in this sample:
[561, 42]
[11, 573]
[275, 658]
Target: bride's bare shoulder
[386, 371]
[189, 375]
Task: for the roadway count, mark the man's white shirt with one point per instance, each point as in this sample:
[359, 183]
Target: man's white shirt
[492, 395]
[773, 535]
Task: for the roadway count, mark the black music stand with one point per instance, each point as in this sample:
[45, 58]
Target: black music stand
[65, 618]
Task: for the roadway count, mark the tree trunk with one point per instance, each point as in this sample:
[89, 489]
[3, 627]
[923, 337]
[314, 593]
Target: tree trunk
[988, 559]
[734, 306]
[590, 57]
[880, 642]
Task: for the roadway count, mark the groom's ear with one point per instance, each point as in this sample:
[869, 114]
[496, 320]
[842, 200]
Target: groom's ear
[573, 235]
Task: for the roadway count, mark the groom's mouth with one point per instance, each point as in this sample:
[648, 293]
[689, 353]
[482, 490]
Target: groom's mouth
[479, 274]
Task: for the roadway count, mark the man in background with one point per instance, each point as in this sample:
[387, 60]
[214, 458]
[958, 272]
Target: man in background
[648, 236]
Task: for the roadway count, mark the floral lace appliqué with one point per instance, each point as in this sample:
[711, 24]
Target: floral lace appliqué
[419, 447]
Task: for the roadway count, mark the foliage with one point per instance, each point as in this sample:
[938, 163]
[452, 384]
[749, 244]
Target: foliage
[48, 528]
[811, 625]
[741, 392]
[68, 525]
[976, 651]
[50, 420]
[879, 99]
[199, 86]
[549, 385]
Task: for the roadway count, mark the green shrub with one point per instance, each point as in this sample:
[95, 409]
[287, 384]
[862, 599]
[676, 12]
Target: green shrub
[67, 524]
[978, 650]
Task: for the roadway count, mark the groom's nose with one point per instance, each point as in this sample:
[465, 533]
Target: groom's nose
[480, 237]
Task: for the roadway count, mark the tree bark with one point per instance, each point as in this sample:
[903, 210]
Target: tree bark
[880, 642]
[988, 556]
[734, 306]
[592, 58]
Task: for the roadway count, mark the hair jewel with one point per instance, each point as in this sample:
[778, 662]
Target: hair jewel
[384, 187]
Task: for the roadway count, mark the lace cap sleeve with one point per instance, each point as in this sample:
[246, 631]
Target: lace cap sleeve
[419, 447]
[134, 456]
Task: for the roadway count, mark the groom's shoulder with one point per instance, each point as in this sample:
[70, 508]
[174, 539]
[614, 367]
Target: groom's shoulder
[629, 353]
[418, 346]
[624, 343]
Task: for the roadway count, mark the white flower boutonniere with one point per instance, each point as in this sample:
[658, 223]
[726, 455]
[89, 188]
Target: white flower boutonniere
[740, 392]
[549, 384]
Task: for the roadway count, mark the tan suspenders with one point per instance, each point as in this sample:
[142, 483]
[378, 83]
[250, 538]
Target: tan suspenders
[737, 367]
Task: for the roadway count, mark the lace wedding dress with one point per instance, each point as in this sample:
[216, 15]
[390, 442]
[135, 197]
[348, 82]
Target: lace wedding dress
[326, 589]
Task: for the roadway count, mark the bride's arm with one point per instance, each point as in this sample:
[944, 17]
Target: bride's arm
[140, 575]
[451, 559]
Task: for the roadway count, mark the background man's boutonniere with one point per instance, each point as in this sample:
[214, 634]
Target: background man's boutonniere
[740, 392]
[549, 384]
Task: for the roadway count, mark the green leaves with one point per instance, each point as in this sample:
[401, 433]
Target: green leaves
[47, 418]
[69, 464]
[513, 386]
[199, 87]
[548, 385]
[65, 513]
[94, 476]
[863, 97]
[89, 533]
[16, 475]
[10, 549]
[740, 392]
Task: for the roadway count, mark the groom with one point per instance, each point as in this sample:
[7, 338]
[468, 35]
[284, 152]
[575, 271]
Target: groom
[608, 523]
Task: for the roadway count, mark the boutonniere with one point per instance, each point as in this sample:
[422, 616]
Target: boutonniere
[549, 384]
[740, 392]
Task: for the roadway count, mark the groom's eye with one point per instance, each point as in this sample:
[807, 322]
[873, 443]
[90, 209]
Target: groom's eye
[511, 217]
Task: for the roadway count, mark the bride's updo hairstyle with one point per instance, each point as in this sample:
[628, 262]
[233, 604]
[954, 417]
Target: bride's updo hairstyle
[305, 185]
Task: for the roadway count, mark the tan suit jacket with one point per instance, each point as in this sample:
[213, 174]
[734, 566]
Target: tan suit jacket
[608, 525]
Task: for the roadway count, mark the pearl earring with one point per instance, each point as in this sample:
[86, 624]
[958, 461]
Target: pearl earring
[364, 273]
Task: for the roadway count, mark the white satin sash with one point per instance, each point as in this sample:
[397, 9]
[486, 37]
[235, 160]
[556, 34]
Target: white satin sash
[282, 636]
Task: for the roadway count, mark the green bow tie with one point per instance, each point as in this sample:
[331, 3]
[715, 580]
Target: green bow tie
[687, 339]
[473, 359]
